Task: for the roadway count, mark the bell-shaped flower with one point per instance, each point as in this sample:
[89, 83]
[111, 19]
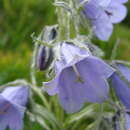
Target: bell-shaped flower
[103, 14]
[12, 107]
[80, 77]
[122, 89]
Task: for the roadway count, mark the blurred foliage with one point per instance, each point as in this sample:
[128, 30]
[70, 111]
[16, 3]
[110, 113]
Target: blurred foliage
[22, 17]
[18, 20]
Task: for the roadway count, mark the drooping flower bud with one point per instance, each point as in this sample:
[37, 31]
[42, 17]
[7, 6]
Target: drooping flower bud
[44, 57]
[45, 54]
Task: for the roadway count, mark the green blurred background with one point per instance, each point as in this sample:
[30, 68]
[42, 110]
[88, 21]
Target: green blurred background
[20, 18]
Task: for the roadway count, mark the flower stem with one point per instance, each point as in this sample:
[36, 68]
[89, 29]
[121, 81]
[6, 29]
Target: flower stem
[32, 73]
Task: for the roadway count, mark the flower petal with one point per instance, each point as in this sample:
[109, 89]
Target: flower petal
[100, 66]
[103, 3]
[122, 1]
[94, 8]
[91, 10]
[118, 12]
[125, 71]
[94, 80]
[121, 89]
[11, 115]
[72, 54]
[102, 27]
[70, 91]
[18, 95]
[51, 87]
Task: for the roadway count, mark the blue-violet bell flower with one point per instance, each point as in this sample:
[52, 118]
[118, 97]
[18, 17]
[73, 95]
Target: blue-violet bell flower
[12, 107]
[80, 77]
[102, 14]
[122, 89]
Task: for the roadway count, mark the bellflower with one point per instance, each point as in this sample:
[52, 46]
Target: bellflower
[122, 89]
[103, 14]
[120, 86]
[12, 107]
[80, 77]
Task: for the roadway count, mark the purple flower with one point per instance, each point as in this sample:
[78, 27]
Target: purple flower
[122, 89]
[103, 14]
[12, 107]
[127, 118]
[80, 77]
[120, 86]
